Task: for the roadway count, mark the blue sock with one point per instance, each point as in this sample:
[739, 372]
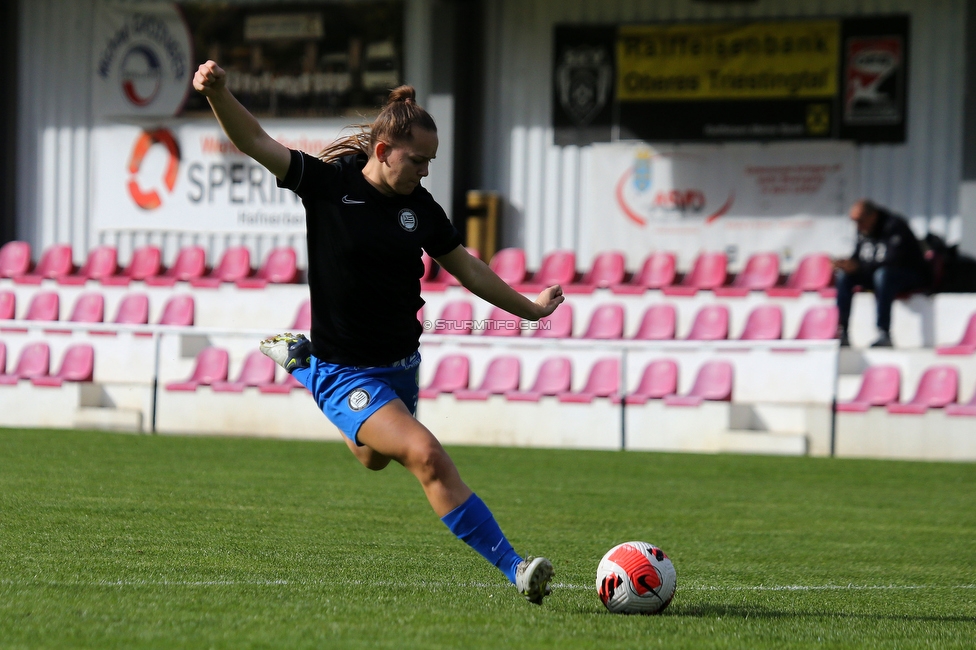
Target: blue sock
[473, 523]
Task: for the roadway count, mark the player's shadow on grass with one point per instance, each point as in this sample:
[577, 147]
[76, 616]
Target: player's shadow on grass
[707, 610]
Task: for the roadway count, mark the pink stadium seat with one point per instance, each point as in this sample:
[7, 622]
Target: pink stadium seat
[55, 263]
[604, 381]
[15, 259]
[179, 310]
[102, 263]
[819, 323]
[451, 375]
[502, 376]
[133, 310]
[880, 386]
[89, 308]
[147, 262]
[760, 273]
[657, 324]
[966, 345]
[660, 379]
[433, 277]
[286, 386]
[303, 319]
[555, 377]
[502, 323]
[967, 409]
[191, 262]
[938, 387]
[708, 272]
[657, 271]
[765, 323]
[509, 265]
[43, 306]
[8, 305]
[558, 267]
[78, 366]
[281, 267]
[608, 270]
[557, 325]
[607, 323]
[711, 324]
[813, 273]
[211, 367]
[34, 361]
[258, 370]
[235, 264]
[3, 358]
[713, 383]
[456, 318]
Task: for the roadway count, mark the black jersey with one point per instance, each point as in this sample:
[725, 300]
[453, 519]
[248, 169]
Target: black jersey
[364, 259]
[891, 242]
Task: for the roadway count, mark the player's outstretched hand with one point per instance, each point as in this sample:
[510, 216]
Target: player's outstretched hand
[549, 299]
[209, 78]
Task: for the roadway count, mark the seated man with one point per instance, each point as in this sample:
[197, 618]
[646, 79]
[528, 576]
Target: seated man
[887, 260]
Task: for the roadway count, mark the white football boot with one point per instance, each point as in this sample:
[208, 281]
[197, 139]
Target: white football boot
[532, 578]
[290, 351]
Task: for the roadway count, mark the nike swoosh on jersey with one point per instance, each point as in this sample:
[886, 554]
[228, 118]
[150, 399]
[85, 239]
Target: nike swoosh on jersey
[349, 201]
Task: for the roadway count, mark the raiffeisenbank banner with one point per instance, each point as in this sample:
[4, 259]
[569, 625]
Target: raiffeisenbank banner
[190, 177]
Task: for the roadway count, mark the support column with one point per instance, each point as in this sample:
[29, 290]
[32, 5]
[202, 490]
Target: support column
[967, 189]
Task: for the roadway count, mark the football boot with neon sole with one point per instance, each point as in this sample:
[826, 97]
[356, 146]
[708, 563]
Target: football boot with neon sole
[290, 351]
[532, 576]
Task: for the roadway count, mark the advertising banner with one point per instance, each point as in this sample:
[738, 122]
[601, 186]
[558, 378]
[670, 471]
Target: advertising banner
[740, 198]
[190, 177]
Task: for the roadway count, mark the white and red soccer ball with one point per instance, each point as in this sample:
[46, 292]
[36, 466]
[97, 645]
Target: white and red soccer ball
[635, 578]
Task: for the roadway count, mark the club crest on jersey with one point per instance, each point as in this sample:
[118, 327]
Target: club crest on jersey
[358, 399]
[408, 219]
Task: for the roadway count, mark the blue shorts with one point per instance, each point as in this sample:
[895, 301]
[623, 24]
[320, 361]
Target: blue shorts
[348, 395]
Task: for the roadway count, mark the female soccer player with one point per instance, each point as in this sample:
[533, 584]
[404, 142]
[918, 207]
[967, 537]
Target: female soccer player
[367, 219]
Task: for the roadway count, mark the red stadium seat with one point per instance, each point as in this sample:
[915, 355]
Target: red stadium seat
[660, 379]
[286, 386]
[607, 323]
[56, 262]
[235, 264]
[765, 323]
[502, 323]
[555, 377]
[657, 271]
[102, 263]
[258, 370]
[509, 265]
[191, 263]
[451, 375]
[8, 305]
[813, 273]
[604, 381]
[938, 387]
[966, 345]
[558, 267]
[708, 272]
[179, 310]
[760, 273]
[15, 259]
[657, 324]
[880, 386]
[711, 324]
[78, 366]
[819, 323]
[502, 376]
[211, 367]
[713, 383]
[457, 318]
[608, 270]
[303, 319]
[281, 267]
[34, 361]
[147, 262]
[89, 308]
[557, 325]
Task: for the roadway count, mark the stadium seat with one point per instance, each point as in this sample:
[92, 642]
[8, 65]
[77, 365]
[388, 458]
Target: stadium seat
[603, 381]
[102, 263]
[557, 325]
[286, 386]
[813, 273]
[235, 264]
[78, 366]
[765, 323]
[211, 367]
[606, 323]
[303, 319]
[89, 308]
[558, 267]
[966, 345]
[56, 262]
[657, 324]
[657, 271]
[708, 272]
[44, 306]
[760, 273]
[133, 310]
[501, 376]
[431, 279]
[711, 324]
[660, 378]
[555, 377]
[713, 383]
[880, 386]
[819, 323]
[258, 370]
[178, 310]
[509, 265]
[502, 323]
[8, 305]
[191, 262]
[608, 270]
[938, 387]
[15, 259]
[3, 358]
[147, 262]
[34, 361]
[967, 409]
[456, 318]
[281, 267]
[451, 375]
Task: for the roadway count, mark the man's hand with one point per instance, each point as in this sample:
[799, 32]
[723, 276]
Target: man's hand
[209, 79]
[847, 266]
[549, 299]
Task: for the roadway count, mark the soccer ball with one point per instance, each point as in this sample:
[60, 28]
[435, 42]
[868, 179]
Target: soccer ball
[635, 578]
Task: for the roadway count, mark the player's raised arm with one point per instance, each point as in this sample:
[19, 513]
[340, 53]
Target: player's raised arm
[239, 125]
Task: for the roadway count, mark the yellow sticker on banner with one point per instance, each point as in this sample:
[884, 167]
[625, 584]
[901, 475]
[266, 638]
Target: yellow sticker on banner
[768, 60]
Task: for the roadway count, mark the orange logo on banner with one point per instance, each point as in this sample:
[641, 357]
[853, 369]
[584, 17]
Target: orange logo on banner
[150, 200]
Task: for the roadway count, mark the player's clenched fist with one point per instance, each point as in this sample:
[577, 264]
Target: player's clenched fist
[209, 78]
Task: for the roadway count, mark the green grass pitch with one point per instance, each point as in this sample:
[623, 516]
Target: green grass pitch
[118, 541]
